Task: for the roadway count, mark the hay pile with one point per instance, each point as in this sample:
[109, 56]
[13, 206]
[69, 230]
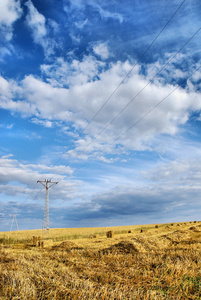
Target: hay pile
[176, 236]
[145, 244]
[66, 245]
[122, 247]
[38, 242]
[47, 243]
[93, 236]
[110, 234]
[195, 229]
[143, 230]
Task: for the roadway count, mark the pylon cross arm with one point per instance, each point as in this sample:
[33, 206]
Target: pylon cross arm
[52, 184]
[41, 183]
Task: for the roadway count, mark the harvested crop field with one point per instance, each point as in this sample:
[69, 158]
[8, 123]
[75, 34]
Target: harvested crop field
[158, 263]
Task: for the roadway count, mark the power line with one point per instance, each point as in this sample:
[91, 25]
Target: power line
[121, 82]
[126, 76]
[133, 67]
[134, 124]
[134, 98]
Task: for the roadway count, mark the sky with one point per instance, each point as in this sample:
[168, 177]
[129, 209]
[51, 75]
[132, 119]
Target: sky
[102, 97]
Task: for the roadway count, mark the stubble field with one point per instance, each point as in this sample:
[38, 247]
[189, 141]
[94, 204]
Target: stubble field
[161, 262]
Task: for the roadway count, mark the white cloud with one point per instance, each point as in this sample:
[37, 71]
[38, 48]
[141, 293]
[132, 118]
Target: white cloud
[75, 73]
[8, 91]
[184, 173]
[47, 101]
[78, 17]
[10, 12]
[21, 178]
[7, 126]
[76, 38]
[38, 25]
[7, 50]
[106, 14]
[36, 21]
[81, 24]
[98, 6]
[109, 161]
[4, 87]
[101, 49]
[54, 25]
[45, 123]
[86, 87]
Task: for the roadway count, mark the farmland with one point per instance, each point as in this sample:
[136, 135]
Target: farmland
[138, 262]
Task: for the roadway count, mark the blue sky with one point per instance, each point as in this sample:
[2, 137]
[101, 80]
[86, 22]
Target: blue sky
[83, 102]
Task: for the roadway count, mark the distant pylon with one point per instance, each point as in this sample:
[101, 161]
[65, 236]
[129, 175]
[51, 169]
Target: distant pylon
[14, 218]
[46, 209]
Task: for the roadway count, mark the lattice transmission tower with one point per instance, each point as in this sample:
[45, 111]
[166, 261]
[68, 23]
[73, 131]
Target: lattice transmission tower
[14, 219]
[47, 183]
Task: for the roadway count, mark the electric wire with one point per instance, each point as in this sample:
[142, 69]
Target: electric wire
[134, 98]
[122, 81]
[133, 67]
[118, 86]
[134, 124]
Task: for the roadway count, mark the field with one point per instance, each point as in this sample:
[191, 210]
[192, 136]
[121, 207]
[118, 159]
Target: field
[139, 262]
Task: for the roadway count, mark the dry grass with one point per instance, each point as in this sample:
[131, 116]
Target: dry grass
[162, 263]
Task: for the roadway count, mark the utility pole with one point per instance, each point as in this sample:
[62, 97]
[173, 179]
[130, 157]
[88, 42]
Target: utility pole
[14, 218]
[46, 183]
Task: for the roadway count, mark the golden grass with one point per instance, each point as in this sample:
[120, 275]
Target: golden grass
[159, 263]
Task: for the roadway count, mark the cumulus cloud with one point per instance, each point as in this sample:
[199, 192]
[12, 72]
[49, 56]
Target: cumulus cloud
[64, 74]
[88, 87]
[141, 164]
[5, 90]
[185, 173]
[172, 193]
[45, 123]
[20, 178]
[10, 12]
[40, 30]
[36, 21]
[101, 49]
